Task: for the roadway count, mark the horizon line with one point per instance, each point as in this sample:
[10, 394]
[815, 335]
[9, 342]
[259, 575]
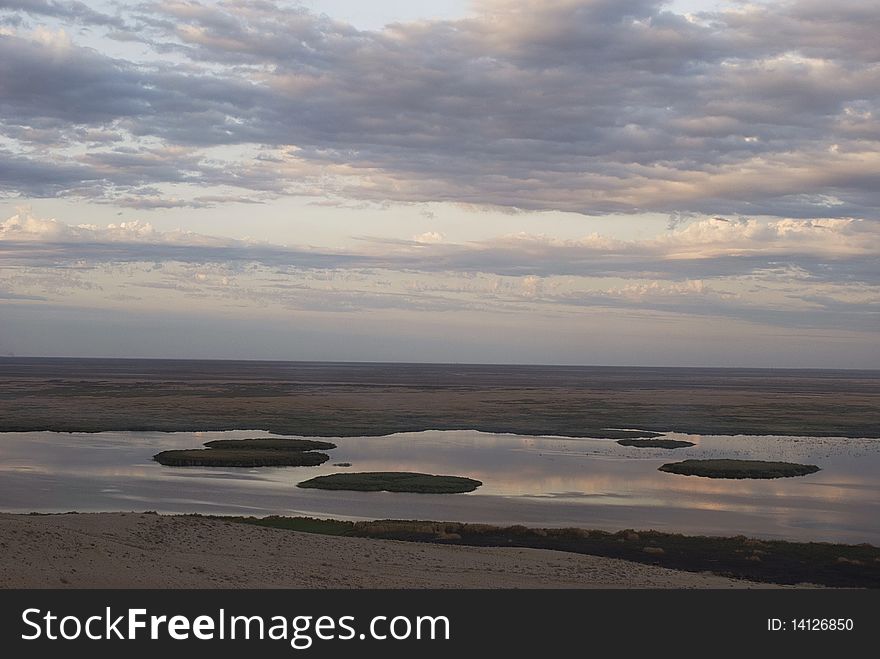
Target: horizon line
[428, 363]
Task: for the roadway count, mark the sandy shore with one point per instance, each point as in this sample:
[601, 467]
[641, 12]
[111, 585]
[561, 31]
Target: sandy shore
[130, 550]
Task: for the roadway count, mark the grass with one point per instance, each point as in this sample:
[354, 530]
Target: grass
[270, 443]
[655, 443]
[240, 458]
[772, 561]
[738, 468]
[301, 524]
[393, 481]
[268, 452]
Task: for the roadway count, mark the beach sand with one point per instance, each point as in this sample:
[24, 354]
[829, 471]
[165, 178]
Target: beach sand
[133, 550]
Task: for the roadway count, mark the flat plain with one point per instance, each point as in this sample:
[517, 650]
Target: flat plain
[366, 399]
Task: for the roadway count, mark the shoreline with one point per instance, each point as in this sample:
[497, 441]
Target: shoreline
[147, 550]
[92, 550]
[611, 434]
[781, 562]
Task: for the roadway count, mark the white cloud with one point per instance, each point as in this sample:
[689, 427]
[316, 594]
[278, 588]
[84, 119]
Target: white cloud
[429, 237]
[24, 227]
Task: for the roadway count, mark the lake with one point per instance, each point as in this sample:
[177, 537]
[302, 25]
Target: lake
[536, 481]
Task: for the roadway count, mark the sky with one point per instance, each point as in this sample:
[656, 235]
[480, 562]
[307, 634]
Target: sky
[632, 182]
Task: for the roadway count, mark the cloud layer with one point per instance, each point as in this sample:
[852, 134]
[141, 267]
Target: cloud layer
[790, 273]
[842, 250]
[592, 106]
[837, 250]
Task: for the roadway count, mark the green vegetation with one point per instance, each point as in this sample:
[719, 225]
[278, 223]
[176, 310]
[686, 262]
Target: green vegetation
[773, 561]
[271, 443]
[610, 433]
[268, 452]
[655, 443]
[393, 481]
[738, 468]
[301, 524]
[240, 458]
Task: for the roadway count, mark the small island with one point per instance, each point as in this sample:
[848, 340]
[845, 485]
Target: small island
[271, 443]
[269, 452]
[655, 443]
[393, 481]
[738, 468]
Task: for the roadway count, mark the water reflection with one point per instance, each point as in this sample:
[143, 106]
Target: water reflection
[549, 481]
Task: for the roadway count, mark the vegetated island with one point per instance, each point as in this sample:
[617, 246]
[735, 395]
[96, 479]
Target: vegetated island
[271, 443]
[738, 468]
[393, 481]
[269, 452]
[655, 443]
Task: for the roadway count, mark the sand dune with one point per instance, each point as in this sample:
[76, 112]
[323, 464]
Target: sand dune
[131, 550]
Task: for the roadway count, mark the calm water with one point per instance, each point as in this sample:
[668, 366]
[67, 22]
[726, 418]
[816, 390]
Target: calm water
[548, 481]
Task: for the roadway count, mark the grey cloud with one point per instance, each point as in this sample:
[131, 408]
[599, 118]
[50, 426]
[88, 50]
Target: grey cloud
[8, 295]
[44, 178]
[75, 11]
[144, 202]
[68, 84]
[832, 314]
[571, 105]
[48, 253]
[127, 176]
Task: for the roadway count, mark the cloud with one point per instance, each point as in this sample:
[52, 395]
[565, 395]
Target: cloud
[591, 106]
[7, 295]
[429, 237]
[24, 227]
[828, 249]
[799, 274]
[70, 11]
[27, 240]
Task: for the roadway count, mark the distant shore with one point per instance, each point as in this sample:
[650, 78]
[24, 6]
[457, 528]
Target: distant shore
[344, 400]
[143, 550]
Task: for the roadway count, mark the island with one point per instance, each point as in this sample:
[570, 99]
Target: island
[393, 481]
[655, 443]
[738, 468]
[268, 452]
